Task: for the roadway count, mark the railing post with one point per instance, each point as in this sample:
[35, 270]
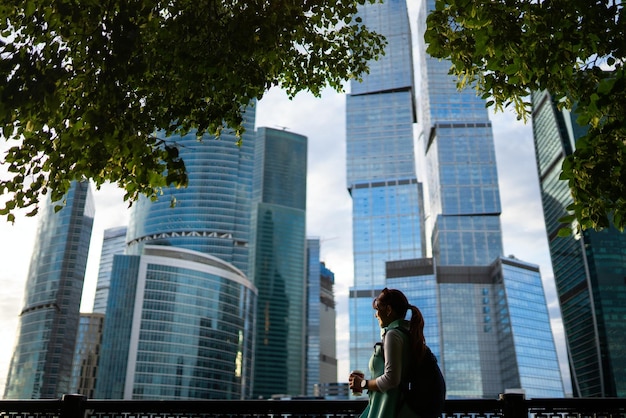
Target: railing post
[513, 405]
[72, 406]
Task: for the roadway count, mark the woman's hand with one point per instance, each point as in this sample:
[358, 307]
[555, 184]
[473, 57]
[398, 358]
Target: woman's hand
[354, 381]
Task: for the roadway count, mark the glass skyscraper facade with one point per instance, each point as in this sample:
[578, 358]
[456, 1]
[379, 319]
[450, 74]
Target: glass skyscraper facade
[212, 214]
[313, 336]
[87, 354]
[181, 305]
[589, 267]
[113, 242]
[179, 325]
[492, 313]
[278, 266]
[42, 361]
[488, 325]
[473, 300]
[461, 171]
[113, 364]
[381, 173]
[321, 353]
[520, 310]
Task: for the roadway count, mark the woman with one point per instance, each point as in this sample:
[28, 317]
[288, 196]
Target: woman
[389, 363]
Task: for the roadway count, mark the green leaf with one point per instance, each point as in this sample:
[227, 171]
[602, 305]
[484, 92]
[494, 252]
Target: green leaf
[135, 69]
[565, 232]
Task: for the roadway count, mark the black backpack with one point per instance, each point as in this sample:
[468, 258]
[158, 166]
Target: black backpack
[424, 390]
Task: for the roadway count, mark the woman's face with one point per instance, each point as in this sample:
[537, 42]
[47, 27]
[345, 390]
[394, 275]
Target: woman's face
[384, 314]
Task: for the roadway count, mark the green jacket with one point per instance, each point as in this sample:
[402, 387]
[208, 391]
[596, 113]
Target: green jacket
[388, 369]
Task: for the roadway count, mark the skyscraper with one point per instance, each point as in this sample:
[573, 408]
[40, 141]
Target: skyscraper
[278, 267]
[491, 312]
[321, 352]
[212, 214]
[180, 313]
[113, 242]
[461, 171]
[387, 203]
[42, 361]
[473, 300]
[589, 267]
[328, 342]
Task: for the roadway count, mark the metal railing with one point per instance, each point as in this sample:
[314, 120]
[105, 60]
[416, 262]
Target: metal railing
[508, 406]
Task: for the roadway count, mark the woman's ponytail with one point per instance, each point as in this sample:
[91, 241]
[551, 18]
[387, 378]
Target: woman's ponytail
[416, 330]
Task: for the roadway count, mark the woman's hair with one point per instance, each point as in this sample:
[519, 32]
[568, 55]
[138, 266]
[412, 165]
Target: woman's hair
[400, 305]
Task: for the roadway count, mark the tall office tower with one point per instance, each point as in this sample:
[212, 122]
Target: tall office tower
[387, 214]
[321, 354]
[486, 315]
[589, 267]
[180, 313]
[277, 265]
[212, 214]
[462, 177]
[42, 361]
[113, 242]
[87, 354]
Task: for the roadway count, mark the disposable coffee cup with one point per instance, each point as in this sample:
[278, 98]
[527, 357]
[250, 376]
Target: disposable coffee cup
[358, 391]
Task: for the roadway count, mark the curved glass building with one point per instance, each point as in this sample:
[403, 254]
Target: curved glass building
[180, 311]
[179, 326]
[212, 214]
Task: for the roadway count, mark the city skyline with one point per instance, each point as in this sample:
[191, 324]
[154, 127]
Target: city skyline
[331, 223]
[328, 208]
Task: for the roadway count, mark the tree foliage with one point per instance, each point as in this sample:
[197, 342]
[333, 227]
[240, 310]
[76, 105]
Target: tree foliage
[573, 48]
[86, 83]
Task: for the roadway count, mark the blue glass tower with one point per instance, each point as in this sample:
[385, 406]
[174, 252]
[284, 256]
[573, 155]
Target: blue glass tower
[279, 262]
[472, 299]
[41, 365]
[589, 267]
[321, 355]
[113, 242]
[381, 174]
[488, 325]
[462, 177]
[491, 313]
[212, 214]
[313, 348]
[180, 312]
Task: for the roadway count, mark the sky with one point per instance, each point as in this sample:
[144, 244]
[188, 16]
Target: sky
[329, 209]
